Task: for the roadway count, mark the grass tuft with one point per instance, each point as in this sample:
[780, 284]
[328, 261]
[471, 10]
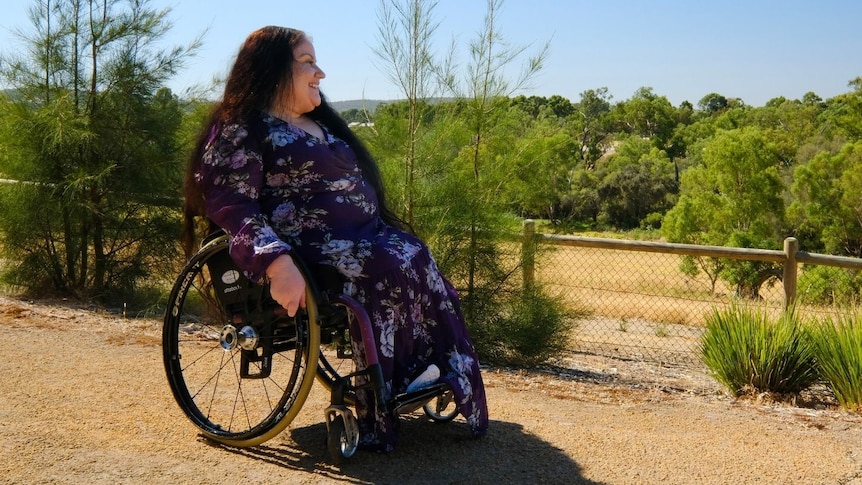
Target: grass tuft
[751, 354]
[838, 352]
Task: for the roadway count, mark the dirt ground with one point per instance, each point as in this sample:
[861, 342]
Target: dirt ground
[84, 399]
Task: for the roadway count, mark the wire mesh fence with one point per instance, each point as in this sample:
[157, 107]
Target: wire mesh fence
[638, 302]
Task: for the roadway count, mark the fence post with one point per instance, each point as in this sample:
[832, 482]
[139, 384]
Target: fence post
[791, 247]
[528, 253]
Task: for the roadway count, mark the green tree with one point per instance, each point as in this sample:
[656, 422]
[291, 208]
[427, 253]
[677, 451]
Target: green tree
[843, 113]
[712, 103]
[463, 165]
[788, 124]
[734, 198]
[591, 124]
[828, 200]
[90, 136]
[538, 165]
[355, 115]
[405, 33]
[647, 115]
[582, 202]
[637, 180]
[483, 92]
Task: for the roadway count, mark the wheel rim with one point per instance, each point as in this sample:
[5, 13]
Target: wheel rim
[442, 408]
[239, 382]
[343, 437]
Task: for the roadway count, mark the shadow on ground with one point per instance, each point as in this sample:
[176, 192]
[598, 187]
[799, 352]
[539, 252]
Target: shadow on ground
[428, 452]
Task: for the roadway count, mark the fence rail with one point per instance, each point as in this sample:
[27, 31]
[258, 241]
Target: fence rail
[640, 304]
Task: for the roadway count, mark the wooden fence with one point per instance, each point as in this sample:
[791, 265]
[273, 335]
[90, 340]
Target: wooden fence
[640, 305]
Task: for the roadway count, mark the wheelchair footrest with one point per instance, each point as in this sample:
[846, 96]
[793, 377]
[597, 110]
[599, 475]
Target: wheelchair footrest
[410, 401]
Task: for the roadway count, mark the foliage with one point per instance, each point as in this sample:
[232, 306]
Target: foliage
[636, 181]
[647, 115]
[538, 170]
[750, 353]
[827, 192]
[90, 141]
[842, 115]
[838, 352]
[532, 327]
[827, 285]
[405, 33]
[733, 198]
[458, 162]
[476, 234]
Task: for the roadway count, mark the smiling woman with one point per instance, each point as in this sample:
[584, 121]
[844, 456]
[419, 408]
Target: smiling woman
[280, 172]
[304, 95]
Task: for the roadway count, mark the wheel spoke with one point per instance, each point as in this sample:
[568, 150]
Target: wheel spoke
[244, 392]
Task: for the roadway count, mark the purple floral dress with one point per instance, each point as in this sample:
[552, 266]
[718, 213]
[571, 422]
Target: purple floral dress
[277, 189]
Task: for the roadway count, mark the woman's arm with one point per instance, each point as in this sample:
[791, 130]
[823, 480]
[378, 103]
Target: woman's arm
[232, 176]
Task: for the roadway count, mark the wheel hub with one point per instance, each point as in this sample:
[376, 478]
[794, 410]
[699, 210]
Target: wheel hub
[245, 338]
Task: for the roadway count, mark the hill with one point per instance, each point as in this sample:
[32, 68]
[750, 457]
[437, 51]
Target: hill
[367, 104]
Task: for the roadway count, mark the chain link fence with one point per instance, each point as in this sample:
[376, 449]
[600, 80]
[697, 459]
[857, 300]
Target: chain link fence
[639, 304]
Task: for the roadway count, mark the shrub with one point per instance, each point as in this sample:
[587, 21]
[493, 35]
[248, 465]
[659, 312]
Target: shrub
[838, 352]
[826, 285]
[530, 329]
[749, 353]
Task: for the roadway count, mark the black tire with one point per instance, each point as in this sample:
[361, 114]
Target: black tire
[338, 444]
[442, 408]
[240, 387]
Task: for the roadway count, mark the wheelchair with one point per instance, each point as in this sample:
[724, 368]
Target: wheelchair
[241, 369]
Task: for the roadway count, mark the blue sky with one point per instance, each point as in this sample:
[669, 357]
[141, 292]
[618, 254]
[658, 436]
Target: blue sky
[683, 49]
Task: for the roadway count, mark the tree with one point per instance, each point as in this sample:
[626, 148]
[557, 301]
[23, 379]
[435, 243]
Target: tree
[483, 91]
[591, 124]
[648, 115]
[638, 180]
[712, 103]
[734, 198]
[538, 165]
[843, 113]
[405, 32]
[828, 192]
[91, 137]
[789, 125]
[466, 164]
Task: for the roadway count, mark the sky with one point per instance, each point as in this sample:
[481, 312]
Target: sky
[754, 50]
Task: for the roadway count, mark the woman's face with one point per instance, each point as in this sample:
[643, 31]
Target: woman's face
[305, 95]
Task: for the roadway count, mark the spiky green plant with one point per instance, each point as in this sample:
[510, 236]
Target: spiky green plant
[838, 350]
[750, 353]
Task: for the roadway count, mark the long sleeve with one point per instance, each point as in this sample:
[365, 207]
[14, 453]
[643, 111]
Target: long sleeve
[232, 176]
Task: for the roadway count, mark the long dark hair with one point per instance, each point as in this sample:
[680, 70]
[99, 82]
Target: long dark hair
[265, 62]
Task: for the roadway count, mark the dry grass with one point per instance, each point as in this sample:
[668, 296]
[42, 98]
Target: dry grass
[630, 284]
[640, 303]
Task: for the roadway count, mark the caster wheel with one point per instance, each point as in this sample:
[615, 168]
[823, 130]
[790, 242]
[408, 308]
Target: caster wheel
[342, 439]
[442, 408]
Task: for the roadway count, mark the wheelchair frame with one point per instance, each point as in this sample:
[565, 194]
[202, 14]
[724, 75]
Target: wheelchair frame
[241, 369]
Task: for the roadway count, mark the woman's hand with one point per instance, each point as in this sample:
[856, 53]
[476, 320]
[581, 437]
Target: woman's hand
[286, 284]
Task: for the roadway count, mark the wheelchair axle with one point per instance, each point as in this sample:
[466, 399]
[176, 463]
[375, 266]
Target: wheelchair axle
[246, 338]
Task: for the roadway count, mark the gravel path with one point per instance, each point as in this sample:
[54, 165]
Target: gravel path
[83, 399]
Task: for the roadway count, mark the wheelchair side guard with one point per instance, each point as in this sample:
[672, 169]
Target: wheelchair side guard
[372, 361]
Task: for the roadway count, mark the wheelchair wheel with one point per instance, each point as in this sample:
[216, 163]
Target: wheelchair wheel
[442, 408]
[241, 371]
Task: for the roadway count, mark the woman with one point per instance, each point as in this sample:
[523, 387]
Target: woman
[279, 170]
